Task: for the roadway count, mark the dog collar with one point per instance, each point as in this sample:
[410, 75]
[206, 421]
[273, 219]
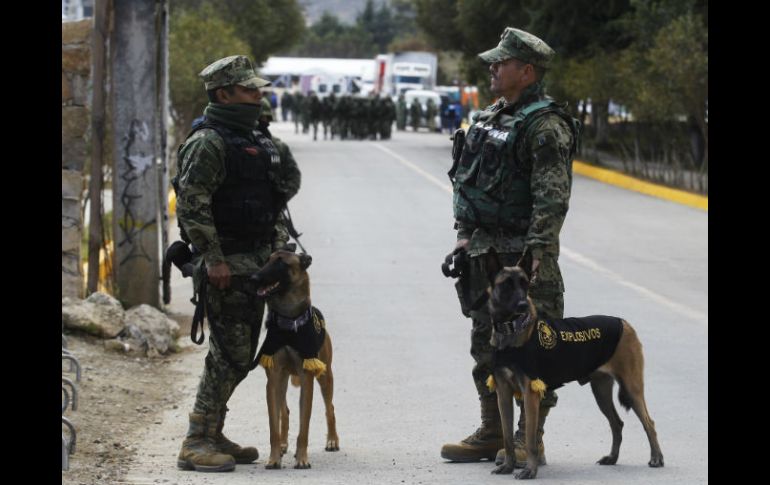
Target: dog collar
[286, 323]
[513, 326]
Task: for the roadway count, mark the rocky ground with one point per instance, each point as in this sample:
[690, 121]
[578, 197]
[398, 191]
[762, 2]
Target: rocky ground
[120, 395]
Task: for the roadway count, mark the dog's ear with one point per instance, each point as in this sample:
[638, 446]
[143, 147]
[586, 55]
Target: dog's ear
[493, 264]
[305, 260]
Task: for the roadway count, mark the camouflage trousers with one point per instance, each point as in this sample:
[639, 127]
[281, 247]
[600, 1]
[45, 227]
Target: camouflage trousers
[234, 326]
[548, 301]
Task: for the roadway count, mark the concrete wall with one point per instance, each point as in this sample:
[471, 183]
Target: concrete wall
[75, 149]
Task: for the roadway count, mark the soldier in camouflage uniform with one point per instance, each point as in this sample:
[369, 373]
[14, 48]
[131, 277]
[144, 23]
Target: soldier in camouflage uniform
[286, 102]
[401, 113]
[431, 110]
[304, 113]
[314, 112]
[341, 116]
[327, 114]
[415, 113]
[232, 183]
[512, 179]
[296, 110]
[386, 118]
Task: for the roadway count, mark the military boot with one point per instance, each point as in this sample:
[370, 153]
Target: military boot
[198, 450]
[223, 445]
[519, 438]
[484, 442]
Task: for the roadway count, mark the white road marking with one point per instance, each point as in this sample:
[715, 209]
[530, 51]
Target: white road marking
[576, 257]
[414, 167]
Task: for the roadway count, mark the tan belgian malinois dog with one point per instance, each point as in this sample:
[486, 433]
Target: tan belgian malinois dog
[297, 345]
[533, 354]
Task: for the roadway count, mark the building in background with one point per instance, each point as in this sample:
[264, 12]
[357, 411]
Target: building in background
[76, 9]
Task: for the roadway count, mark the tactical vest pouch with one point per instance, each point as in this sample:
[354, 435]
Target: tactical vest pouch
[458, 142]
[469, 162]
[251, 165]
[492, 165]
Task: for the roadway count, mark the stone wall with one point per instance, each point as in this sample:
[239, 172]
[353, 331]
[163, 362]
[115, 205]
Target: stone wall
[75, 148]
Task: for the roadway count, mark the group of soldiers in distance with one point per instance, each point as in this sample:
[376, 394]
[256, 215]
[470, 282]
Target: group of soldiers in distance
[353, 117]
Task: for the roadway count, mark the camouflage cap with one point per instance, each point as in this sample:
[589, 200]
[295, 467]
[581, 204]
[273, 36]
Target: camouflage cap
[231, 70]
[521, 45]
[267, 110]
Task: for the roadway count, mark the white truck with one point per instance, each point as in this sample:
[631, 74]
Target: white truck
[395, 73]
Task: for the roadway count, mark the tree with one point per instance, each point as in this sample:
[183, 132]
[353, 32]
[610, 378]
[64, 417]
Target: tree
[404, 15]
[196, 39]
[469, 26]
[665, 70]
[328, 37]
[679, 58]
[379, 23]
[437, 18]
[266, 26]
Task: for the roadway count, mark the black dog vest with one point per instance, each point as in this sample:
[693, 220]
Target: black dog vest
[304, 334]
[566, 350]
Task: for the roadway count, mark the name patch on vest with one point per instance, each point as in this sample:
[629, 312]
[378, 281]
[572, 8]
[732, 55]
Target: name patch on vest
[582, 336]
[494, 132]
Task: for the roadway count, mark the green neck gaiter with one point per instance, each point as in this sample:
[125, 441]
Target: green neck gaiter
[536, 90]
[240, 116]
[533, 92]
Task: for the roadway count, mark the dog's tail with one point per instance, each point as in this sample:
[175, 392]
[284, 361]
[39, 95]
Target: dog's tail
[295, 381]
[623, 396]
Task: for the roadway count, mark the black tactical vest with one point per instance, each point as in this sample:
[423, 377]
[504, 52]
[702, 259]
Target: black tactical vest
[491, 186]
[246, 205]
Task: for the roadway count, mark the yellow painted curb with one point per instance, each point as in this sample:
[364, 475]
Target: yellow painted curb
[637, 185]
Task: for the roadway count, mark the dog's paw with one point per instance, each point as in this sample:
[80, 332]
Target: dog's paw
[504, 469]
[608, 460]
[273, 465]
[302, 465]
[526, 474]
[332, 445]
[656, 462]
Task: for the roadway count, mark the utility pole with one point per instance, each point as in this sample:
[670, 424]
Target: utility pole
[99, 41]
[138, 80]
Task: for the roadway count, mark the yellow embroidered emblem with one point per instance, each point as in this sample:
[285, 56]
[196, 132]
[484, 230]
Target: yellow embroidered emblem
[318, 323]
[546, 334]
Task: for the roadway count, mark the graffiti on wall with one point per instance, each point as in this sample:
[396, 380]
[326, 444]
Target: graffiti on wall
[136, 166]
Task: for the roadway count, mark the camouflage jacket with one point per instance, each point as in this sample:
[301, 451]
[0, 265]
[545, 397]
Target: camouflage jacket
[201, 170]
[545, 150]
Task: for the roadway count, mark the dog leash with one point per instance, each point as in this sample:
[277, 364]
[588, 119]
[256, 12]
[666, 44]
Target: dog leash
[292, 231]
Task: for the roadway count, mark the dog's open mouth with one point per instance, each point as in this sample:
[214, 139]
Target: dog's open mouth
[269, 290]
[517, 324]
[520, 322]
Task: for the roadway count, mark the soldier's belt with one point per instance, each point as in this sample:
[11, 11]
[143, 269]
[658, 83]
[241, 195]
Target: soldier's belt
[234, 246]
[518, 227]
[242, 284]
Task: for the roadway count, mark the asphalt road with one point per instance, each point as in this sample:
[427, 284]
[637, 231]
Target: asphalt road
[377, 219]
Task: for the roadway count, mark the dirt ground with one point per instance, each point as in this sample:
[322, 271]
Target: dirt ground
[119, 396]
